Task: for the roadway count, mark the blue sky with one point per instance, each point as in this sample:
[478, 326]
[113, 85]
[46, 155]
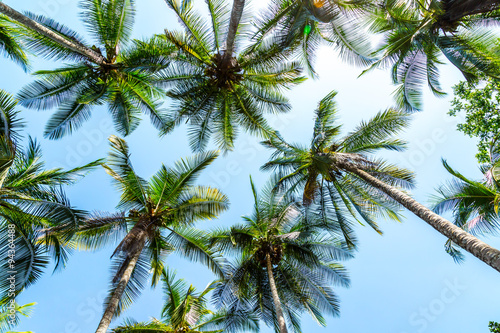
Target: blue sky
[402, 282]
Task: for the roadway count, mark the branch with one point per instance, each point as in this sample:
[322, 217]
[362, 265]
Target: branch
[42, 30]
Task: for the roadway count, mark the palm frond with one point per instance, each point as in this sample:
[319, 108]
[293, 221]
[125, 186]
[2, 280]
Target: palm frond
[190, 243]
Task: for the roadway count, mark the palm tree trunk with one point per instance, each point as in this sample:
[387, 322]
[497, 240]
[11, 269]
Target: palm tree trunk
[466, 241]
[42, 30]
[456, 10]
[236, 13]
[121, 285]
[276, 299]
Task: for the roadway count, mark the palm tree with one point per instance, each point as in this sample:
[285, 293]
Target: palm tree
[474, 204]
[110, 73]
[418, 33]
[216, 91]
[154, 219]
[8, 319]
[348, 157]
[305, 24]
[9, 45]
[187, 311]
[339, 198]
[32, 205]
[286, 266]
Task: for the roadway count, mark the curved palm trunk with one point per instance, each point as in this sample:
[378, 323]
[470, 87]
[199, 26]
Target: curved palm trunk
[236, 13]
[274, 291]
[466, 241]
[42, 30]
[455, 10]
[123, 278]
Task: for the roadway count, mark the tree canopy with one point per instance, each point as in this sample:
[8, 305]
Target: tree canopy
[224, 71]
[478, 104]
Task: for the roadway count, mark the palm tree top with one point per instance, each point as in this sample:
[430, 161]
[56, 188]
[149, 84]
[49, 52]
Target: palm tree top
[154, 218]
[187, 311]
[318, 170]
[302, 256]
[157, 196]
[124, 80]
[419, 35]
[326, 145]
[276, 218]
[170, 199]
[218, 93]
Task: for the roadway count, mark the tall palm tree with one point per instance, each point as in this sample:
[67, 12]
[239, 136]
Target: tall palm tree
[154, 219]
[9, 42]
[111, 73]
[285, 265]
[474, 204]
[32, 205]
[339, 198]
[305, 24]
[187, 311]
[417, 34]
[217, 92]
[348, 157]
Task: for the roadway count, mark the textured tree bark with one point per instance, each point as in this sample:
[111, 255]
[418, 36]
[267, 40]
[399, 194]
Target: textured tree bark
[42, 30]
[466, 241]
[236, 13]
[458, 9]
[276, 299]
[122, 280]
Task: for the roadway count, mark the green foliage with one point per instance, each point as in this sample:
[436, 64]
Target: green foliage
[165, 208]
[9, 320]
[187, 311]
[306, 24]
[34, 211]
[154, 326]
[125, 81]
[337, 196]
[494, 327]
[479, 105]
[416, 37]
[474, 204]
[303, 256]
[9, 42]
[215, 93]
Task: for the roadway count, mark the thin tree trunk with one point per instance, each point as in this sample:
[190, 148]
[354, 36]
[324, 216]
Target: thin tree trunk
[466, 241]
[121, 285]
[236, 13]
[49, 33]
[274, 291]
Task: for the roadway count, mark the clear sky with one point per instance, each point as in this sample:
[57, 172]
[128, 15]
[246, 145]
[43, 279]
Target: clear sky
[402, 282]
